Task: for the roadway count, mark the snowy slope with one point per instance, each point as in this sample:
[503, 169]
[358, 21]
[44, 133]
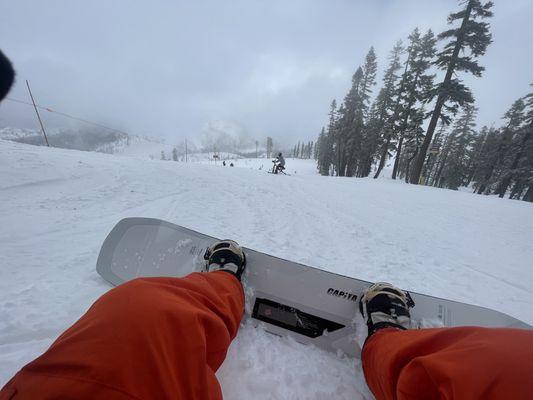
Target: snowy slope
[294, 166]
[58, 205]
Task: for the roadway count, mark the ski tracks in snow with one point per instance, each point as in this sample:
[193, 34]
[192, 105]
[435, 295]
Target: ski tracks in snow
[58, 205]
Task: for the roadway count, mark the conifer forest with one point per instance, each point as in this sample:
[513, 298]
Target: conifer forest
[421, 121]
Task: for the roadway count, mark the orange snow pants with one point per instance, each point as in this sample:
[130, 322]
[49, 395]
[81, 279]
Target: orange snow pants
[164, 338]
[450, 363]
[150, 338]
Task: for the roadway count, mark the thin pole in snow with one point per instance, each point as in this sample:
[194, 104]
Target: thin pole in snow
[37, 112]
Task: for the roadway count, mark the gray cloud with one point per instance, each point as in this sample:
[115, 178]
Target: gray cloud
[168, 69]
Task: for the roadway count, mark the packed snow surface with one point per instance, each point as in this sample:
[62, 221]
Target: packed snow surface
[58, 205]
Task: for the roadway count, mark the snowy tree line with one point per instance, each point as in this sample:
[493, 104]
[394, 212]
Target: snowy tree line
[362, 135]
[303, 150]
[491, 160]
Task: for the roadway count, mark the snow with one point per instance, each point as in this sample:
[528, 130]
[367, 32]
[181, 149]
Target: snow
[58, 205]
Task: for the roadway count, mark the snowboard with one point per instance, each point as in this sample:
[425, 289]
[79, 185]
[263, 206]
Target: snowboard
[283, 297]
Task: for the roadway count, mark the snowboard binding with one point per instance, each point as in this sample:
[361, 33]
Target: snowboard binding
[225, 255]
[386, 306]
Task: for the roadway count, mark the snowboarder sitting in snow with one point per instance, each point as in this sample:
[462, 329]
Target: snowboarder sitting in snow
[164, 338]
[279, 164]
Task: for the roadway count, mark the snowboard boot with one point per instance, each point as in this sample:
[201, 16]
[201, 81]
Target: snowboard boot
[385, 306]
[225, 255]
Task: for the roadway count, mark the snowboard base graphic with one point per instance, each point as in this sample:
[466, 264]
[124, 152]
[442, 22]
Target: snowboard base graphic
[285, 298]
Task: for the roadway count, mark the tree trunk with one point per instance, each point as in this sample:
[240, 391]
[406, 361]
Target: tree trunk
[529, 194]
[415, 176]
[397, 159]
[437, 178]
[476, 161]
[409, 164]
[517, 190]
[383, 157]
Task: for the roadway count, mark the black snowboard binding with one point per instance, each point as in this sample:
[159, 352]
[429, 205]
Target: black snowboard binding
[225, 255]
[385, 306]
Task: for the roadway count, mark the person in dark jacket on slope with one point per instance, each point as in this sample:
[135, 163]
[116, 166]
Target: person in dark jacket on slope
[279, 163]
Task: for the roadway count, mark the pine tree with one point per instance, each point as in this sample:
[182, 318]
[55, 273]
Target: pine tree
[457, 152]
[321, 153]
[478, 147]
[349, 125]
[269, 146]
[413, 93]
[357, 114]
[487, 160]
[175, 154]
[521, 168]
[436, 161]
[413, 134]
[385, 107]
[163, 155]
[324, 149]
[472, 36]
[529, 123]
[514, 117]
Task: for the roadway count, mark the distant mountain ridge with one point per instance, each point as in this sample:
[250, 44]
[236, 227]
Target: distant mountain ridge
[98, 140]
[119, 143]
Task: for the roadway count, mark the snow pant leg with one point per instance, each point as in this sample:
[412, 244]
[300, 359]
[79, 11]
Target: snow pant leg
[450, 363]
[150, 338]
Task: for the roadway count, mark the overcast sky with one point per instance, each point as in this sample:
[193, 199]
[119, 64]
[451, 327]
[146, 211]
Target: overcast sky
[170, 68]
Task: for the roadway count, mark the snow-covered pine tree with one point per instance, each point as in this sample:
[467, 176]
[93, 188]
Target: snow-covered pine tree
[469, 41]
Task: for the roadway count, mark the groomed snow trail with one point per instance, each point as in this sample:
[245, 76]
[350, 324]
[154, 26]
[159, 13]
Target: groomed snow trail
[57, 206]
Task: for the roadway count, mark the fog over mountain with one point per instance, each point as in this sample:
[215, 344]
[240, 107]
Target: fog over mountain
[174, 70]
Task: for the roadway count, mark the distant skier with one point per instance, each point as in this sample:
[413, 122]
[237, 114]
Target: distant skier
[279, 164]
[164, 338]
